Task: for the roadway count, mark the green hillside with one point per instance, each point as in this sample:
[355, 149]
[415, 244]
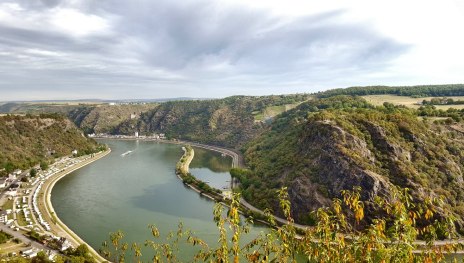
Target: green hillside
[106, 118]
[29, 140]
[412, 91]
[226, 122]
[315, 146]
[92, 117]
[328, 145]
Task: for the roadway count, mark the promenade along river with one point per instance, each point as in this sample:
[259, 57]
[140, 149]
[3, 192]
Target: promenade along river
[129, 192]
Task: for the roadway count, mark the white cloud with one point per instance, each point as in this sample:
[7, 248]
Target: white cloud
[73, 22]
[41, 52]
[68, 21]
[220, 48]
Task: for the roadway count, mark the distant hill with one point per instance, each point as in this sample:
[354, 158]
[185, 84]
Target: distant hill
[226, 122]
[316, 145]
[107, 118]
[445, 90]
[99, 101]
[38, 108]
[28, 140]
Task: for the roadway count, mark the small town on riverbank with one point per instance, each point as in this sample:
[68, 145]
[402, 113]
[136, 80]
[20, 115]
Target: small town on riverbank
[27, 218]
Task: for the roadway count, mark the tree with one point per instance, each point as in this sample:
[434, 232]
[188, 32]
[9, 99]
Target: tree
[9, 167]
[33, 172]
[41, 258]
[43, 165]
[336, 236]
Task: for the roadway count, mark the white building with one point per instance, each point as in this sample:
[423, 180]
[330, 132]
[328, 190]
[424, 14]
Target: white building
[65, 244]
[136, 134]
[30, 253]
[2, 182]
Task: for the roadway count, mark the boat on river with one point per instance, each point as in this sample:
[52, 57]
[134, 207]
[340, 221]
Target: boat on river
[126, 153]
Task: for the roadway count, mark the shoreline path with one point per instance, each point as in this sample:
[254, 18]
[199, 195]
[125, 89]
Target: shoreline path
[57, 227]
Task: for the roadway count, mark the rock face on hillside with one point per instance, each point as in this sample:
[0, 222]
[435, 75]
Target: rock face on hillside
[318, 156]
[339, 156]
[201, 121]
[225, 122]
[106, 118]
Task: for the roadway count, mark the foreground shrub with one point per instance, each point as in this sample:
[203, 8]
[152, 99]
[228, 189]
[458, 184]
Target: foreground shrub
[341, 234]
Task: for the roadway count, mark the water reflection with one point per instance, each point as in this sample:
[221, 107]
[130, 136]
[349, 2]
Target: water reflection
[211, 160]
[128, 193]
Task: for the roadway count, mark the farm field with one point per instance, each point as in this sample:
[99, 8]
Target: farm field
[272, 111]
[408, 101]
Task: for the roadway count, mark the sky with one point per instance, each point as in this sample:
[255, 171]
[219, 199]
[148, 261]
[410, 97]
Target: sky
[148, 49]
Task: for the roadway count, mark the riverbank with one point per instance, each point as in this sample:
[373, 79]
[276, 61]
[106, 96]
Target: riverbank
[184, 163]
[237, 162]
[46, 207]
[176, 156]
[182, 172]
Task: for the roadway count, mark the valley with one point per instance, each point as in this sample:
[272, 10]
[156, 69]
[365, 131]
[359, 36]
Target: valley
[316, 147]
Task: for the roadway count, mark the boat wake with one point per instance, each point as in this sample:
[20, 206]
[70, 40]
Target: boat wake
[126, 153]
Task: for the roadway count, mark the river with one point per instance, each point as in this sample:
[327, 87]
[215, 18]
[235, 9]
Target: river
[129, 192]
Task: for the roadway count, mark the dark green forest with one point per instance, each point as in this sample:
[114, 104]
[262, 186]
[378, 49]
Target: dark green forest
[413, 91]
[30, 140]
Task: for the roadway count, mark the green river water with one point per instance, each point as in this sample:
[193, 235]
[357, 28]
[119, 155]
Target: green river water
[130, 192]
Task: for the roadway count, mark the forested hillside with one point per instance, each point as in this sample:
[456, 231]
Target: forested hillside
[226, 122]
[328, 145]
[315, 147]
[38, 108]
[28, 140]
[106, 118]
[90, 117]
[413, 91]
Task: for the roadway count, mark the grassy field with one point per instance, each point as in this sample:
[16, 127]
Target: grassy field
[21, 220]
[8, 205]
[432, 119]
[408, 101]
[272, 111]
[10, 247]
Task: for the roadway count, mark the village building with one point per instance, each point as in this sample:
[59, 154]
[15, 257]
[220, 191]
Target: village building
[3, 181]
[29, 253]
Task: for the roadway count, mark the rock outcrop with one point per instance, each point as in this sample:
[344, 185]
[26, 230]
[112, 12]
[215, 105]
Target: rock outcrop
[318, 156]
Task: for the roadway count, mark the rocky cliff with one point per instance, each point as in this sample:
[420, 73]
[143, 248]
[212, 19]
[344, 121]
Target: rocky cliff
[318, 153]
[107, 118]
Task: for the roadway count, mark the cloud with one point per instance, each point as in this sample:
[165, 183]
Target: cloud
[145, 48]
